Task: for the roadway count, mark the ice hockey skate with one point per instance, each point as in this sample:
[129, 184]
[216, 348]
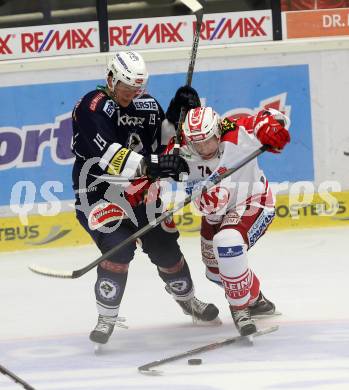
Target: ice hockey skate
[263, 308]
[199, 310]
[102, 331]
[243, 321]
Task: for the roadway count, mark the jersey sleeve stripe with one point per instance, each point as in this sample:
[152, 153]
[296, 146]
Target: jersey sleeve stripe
[108, 155]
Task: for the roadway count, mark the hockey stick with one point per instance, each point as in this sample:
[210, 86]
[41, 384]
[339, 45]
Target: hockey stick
[198, 11]
[147, 368]
[15, 378]
[206, 186]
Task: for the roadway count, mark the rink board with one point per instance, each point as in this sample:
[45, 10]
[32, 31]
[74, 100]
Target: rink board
[64, 230]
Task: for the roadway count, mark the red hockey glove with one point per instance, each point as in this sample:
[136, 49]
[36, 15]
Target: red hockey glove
[142, 191]
[135, 193]
[271, 132]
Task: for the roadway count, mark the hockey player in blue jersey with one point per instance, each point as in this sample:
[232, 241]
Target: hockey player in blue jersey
[116, 139]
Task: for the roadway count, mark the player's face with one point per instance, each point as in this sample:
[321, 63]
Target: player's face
[207, 149]
[124, 94]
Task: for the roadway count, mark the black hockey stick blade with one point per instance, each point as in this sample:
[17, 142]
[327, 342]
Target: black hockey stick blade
[206, 186]
[15, 378]
[147, 369]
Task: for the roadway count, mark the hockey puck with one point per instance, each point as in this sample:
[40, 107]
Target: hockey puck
[194, 362]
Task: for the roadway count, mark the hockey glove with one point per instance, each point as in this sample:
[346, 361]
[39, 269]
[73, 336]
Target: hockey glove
[271, 132]
[142, 191]
[186, 97]
[168, 165]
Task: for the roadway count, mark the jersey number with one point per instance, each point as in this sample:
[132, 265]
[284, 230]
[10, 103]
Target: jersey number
[99, 141]
[205, 171]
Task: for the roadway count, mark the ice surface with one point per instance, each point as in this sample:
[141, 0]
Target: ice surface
[45, 322]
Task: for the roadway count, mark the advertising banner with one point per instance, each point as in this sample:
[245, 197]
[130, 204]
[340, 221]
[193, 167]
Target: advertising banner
[36, 129]
[36, 132]
[321, 210]
[316, 23]
[50, 40]
[177, 31]
[150, 33]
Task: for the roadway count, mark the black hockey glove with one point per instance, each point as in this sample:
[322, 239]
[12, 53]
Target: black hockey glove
[186, 97]
[168, 165]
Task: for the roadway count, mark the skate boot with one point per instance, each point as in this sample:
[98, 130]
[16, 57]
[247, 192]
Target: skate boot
[103, 329]
[262, 306]
[198, 309]
[243, 322]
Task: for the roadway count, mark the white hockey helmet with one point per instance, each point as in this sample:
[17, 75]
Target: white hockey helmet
[200, 125]
[128, 67]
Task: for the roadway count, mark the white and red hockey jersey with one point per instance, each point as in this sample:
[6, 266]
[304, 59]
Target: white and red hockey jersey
[245, 187]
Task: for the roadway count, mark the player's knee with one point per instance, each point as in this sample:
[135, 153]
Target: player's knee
[228, 238]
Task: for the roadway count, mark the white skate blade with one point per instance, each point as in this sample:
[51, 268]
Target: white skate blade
[200, 323]
[250, 339]
[264, 316]
[98, 348]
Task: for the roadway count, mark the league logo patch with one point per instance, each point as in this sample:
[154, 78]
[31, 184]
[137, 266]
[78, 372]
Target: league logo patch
[109, 108]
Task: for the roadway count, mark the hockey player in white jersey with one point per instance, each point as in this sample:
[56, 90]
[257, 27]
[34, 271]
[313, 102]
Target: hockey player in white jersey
[238, 211]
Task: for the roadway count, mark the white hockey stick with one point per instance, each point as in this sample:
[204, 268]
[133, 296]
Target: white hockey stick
[206, 186]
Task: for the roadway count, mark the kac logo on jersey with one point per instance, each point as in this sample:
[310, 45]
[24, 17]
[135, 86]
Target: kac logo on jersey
[214, 201]
[109, 108]
[230, 251]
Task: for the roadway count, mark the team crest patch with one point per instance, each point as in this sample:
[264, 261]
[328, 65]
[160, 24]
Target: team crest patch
[213, 201]
[180, 286]
[107, 289]
[227, 125]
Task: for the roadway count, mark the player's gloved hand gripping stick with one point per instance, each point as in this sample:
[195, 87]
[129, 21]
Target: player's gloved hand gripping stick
[206, 186]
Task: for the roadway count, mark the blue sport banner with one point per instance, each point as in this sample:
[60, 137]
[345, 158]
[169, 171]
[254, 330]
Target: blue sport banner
[36, 133]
